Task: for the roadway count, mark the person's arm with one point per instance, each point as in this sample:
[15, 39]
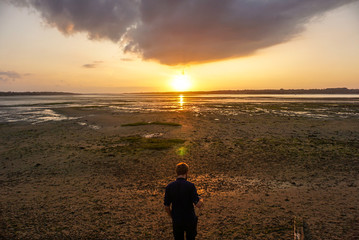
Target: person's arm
[199, 203]
[167, 203]
[168, 211]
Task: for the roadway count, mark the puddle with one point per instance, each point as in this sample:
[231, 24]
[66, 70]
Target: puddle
[92, 126]
[152, 135]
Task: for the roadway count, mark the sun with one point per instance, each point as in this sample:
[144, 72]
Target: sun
[181, 82]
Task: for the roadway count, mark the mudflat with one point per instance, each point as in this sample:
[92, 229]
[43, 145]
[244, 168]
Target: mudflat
[103, 176]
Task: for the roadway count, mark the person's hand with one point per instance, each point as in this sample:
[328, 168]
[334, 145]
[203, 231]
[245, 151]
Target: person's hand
[168, 211]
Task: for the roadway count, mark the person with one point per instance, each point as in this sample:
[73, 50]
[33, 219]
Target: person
[180, 197]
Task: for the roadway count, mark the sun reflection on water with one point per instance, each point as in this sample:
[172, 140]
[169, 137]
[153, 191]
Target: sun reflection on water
[181, 102]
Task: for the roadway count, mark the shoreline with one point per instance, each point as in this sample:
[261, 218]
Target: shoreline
[329, 91]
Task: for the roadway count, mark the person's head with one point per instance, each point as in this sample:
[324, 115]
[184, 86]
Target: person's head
[182, 168]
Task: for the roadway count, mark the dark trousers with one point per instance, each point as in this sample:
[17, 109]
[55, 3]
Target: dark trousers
[190, 227]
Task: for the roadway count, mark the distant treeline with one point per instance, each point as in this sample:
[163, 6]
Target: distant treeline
[272, 91]
[34, 93]
[290, 91]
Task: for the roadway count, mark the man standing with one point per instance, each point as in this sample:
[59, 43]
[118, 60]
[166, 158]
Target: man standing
[182, 195]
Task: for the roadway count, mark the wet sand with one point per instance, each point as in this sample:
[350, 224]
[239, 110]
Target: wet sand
[92, 178]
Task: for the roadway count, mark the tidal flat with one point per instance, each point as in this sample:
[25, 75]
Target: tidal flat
[93, 177]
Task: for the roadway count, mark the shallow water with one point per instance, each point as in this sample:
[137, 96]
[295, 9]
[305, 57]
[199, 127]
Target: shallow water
[37, 109]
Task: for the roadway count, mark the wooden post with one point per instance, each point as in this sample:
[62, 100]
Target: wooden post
[298, 229]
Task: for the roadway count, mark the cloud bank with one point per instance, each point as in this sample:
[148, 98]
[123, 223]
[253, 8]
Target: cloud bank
[176, 32]
[9, 75]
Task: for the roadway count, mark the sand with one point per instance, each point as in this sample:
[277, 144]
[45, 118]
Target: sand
[92, 178]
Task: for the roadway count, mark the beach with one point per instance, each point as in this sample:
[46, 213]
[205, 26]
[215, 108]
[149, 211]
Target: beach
[101, 174]
[100, 100]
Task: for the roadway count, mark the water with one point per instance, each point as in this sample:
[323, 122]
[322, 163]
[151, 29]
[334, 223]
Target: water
[37, 109]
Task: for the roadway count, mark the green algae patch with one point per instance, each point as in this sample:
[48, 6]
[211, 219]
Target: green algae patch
[137, 143]
[159, 143]
[150, 123]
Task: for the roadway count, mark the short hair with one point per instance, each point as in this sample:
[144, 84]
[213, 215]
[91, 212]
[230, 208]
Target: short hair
[182, 168]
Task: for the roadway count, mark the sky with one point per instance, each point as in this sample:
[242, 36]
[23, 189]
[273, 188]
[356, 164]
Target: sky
[114, 46]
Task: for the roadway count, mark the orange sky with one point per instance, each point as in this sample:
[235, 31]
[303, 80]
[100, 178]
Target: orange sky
[37, 57]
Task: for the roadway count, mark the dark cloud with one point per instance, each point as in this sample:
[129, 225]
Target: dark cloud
[100, 19]
[185, 31]
[9, 75]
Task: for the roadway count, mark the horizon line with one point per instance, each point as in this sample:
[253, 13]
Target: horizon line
[338, 90]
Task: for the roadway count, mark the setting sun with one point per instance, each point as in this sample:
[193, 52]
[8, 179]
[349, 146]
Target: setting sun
[181, 82]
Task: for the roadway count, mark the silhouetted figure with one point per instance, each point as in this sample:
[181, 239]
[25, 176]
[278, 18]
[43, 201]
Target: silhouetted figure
[180, 197]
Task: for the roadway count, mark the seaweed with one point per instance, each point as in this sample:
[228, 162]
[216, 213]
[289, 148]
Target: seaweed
[150, 123]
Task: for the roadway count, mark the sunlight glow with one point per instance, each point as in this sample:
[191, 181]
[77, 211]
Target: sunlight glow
[182, 151]
[181, 82]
